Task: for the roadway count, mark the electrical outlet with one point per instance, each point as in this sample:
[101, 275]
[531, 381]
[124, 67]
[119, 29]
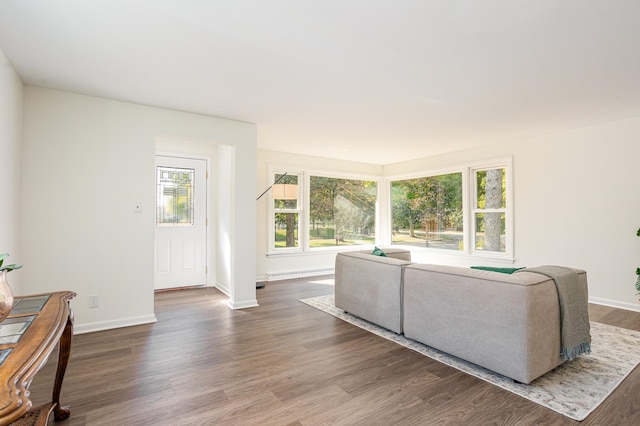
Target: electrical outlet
[94, 300]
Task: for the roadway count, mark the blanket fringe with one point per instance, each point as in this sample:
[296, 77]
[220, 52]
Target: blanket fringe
[571, 353]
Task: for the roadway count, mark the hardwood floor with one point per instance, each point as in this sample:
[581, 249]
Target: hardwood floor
[285, 363]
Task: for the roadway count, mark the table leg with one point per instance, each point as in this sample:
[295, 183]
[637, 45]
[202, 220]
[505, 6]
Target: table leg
[60, 412]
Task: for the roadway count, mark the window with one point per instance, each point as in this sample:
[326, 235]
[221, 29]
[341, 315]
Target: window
[427, 212]
[342, 212]
[286, 203]
[490, 210]
[316, 212]
[435, 212]
[174, 196]
[465, 211]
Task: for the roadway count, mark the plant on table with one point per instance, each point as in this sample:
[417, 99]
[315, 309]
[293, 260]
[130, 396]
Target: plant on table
[6, 296]
[13, 266]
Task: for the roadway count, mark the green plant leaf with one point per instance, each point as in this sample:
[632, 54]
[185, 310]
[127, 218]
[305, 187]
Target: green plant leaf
[11, 267]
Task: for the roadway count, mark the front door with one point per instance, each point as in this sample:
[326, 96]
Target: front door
[181, 222]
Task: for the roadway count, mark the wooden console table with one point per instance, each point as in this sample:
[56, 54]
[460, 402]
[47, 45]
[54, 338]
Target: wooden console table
[27, 337]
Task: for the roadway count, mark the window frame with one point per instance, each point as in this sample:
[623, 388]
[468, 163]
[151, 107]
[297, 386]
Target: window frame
[273, 211]
[428, 174]
[304, 205]
[469, 203]
[474, 209]
[384, 222]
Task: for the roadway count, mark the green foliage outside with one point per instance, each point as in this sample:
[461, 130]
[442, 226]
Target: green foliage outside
[491, 194]
[342, 211]
[428, 211]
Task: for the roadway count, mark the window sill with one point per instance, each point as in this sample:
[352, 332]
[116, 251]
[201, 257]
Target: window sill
[499, 258]
[319, 251]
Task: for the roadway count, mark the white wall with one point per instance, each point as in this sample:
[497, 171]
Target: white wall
[224, 217]
[11, 100]
[85, 161]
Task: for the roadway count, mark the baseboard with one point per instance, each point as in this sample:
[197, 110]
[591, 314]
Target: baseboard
[108, 325]
[277, 276]
[615, 304]
[243, 305]
[224, 289]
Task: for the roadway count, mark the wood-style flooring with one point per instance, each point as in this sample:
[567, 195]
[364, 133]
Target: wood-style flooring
[285, 363]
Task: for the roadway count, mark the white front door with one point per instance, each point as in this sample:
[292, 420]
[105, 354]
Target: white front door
[181, 222]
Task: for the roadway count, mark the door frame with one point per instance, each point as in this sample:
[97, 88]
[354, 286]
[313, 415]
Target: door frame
[208, 255]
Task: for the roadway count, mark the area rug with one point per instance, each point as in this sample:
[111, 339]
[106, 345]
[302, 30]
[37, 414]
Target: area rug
[573, 389]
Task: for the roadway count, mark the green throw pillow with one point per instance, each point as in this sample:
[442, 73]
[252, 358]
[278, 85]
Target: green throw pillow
[496, 269]
[378, 252]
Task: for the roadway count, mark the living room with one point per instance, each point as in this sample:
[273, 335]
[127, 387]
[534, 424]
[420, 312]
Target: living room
[77, 158]
[570, 205]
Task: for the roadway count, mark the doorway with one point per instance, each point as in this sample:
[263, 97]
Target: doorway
[181, 222]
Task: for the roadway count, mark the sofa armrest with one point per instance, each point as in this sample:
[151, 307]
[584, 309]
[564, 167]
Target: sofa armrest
[370, 287]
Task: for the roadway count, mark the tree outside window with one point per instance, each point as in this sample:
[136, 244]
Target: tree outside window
[467, 211]
[341, 212]
[427, 212]
[490, 210]
[286, 200]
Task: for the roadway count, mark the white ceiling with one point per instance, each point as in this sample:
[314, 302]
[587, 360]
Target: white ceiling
[378, 81]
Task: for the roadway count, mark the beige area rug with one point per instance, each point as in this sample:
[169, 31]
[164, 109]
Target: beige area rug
[574, 389]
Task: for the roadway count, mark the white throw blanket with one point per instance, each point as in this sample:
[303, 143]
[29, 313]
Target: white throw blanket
[574, 310]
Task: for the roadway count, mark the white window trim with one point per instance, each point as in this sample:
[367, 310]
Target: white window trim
[384, 222]
[272, 211]
[304, 177]
[468, 199]
[506, 163]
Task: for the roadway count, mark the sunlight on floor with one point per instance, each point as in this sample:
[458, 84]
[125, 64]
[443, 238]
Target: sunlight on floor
[328, 281]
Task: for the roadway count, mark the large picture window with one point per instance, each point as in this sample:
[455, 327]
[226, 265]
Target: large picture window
[467, 211]
[342, 212]
[316, 212]
[427, 212]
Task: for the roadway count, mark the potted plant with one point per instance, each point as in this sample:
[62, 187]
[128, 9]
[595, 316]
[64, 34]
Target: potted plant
[6, 296]
[13, 266]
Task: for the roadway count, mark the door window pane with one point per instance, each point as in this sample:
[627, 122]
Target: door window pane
[174, 198]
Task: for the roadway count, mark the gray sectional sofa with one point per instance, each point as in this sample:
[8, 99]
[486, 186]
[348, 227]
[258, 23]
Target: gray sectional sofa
[506, 323]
